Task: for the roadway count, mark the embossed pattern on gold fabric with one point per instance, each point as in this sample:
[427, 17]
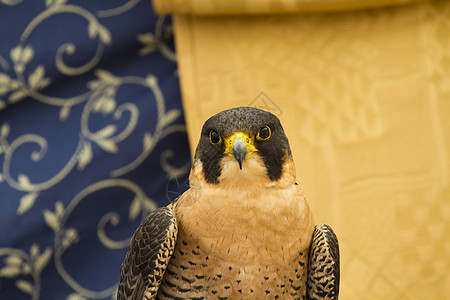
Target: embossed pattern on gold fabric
[365, 98]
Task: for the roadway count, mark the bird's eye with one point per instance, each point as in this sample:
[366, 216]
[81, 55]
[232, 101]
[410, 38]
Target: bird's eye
[214, 137]
[264, 133]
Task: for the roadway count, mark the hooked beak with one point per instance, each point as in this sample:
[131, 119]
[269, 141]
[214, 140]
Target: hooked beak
[239, 145]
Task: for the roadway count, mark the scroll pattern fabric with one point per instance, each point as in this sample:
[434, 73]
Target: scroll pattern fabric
[92, 138]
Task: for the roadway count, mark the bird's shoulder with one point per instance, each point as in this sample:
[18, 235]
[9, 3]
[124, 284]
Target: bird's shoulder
[148, 255]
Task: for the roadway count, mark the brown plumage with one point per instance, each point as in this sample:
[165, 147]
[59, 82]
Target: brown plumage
[242, 231]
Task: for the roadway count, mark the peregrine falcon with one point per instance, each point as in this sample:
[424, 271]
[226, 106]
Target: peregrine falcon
[243, 230]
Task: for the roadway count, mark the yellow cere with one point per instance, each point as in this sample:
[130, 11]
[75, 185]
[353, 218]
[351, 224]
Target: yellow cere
[244, 137]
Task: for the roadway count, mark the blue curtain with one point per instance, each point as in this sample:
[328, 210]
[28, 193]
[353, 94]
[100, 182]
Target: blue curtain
[92, 138]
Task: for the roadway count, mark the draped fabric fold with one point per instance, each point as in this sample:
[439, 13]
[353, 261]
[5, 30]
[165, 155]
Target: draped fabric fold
[255, 7]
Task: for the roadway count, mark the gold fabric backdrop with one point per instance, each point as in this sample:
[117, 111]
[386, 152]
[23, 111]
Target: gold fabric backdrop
[364, 96]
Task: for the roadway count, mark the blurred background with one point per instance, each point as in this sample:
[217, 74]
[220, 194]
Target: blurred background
[99, 117]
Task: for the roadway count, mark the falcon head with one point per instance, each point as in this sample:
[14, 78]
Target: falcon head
[242, 145]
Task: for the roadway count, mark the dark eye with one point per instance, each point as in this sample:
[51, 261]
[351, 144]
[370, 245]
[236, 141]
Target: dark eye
[214, 137]
[264, 133]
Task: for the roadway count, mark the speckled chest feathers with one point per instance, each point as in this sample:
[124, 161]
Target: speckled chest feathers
[239, 251]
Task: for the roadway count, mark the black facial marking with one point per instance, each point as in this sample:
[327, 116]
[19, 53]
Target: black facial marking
[274, 150]
[210, 155]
